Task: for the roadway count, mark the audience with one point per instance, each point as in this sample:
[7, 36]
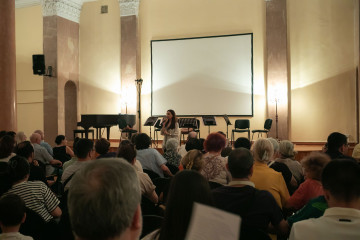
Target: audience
[7, 144]
[312, 187]
[61, 151]
[102, 147]
[287, 156]
[20, 137]
[104, 201]
[337, 146]
[257, 208]
[84, 152]
[12, 215]
[242, 142]
[264, 177]
[37, 196]
[191, 135]
[171, 155]
[186, 188]
[193, 160]
[74, 158]
[150, 158]
[214, 168]
[43, 143]
[137, 164]
[147, 187]
[341, 183]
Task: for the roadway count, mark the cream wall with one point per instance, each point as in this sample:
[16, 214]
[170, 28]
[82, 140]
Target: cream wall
[323, 56]
[164, 19]
[99, 86]
[29, 87]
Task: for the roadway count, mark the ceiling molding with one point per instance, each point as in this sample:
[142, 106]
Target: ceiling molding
[68, 9]
[26, 3]
[129, 7]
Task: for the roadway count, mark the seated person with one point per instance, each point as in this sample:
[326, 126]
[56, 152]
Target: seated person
[150, 158]
[257, 208]
[313, 165]
[20, 137]
[61, 151]
[341, 183]
[74, 158]
[7, 144]
[171, 155]
[337, 146]
[242, 142]
[193, 160]
[137, 164]
[12, 215]
[147, 187]
[37, 196]
[191, 135]
[102, 147]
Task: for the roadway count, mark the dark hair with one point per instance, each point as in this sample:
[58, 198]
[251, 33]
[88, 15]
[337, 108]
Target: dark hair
[214, 142]
[186, 188]
[59, 139]
[83, 147]
[24, 149]
[335, 141]
[142, 141]
[240, 162]
[74, 144]
[342, 179]
[173, 119]
[5, 178]
[11, 133]
[19, 168]
[133, 137]
[127, 152]
[12, 210]
[2, 133]
[102, 146]
[226, 151]
[7, 144]
[193, 143]
[242, 142]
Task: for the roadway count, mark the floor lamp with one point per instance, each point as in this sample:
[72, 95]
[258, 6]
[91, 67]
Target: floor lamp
[138, 83]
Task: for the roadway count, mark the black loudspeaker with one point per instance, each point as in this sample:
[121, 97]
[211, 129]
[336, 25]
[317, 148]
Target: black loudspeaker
[38, 64]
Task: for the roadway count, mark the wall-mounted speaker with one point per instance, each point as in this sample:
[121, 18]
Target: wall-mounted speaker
[38, 64]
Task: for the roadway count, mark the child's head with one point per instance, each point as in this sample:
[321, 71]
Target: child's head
[313, 165]
[12, 210]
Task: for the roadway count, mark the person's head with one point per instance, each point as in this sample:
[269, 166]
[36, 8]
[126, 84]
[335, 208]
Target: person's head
[102, 146]
[25, 149]
[12, 211]
[84, 148]
[226, 151]
[276, 147]
[7, 144]
[104, 200]
[240, 163]
[193, 143]
[263, 150]
[2, 133]
[19, 169]
[356, 152]
[341, 182]
[60, 140]
[193, 160]
[142, 141]
[192, 134]
[214, 142]
[171, 115]
[242, 142]
[186, 188]
[172, 145]
[20, 137]
[11, 133]
[35, 138]
[337, 142]
[314, 164]
[286, 149]
[127, 152]
[41, 133]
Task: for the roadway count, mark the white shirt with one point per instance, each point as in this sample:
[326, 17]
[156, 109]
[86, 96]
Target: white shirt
[336, 223]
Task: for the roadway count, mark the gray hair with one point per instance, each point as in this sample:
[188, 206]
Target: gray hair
[287, 149]
[103, 198]
[275, 144]
[172, 144]
[263, 150]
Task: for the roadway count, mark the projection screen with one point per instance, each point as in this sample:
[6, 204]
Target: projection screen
[203, 76]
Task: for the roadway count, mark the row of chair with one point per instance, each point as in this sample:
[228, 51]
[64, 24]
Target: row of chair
[243, 126]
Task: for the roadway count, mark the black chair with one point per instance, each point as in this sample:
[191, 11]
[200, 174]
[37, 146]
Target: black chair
[173, 169]
[241, 126]
[185, 131]
[151, 174]
[82, 132]
[267, 127]
[150, 224]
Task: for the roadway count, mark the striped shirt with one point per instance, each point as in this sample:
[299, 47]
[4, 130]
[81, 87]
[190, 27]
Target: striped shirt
[37, 196]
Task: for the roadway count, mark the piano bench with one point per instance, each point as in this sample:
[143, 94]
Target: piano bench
[82, 132]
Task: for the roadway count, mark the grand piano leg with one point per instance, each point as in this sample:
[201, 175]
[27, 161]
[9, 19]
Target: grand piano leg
[86, 132]
[108, 132]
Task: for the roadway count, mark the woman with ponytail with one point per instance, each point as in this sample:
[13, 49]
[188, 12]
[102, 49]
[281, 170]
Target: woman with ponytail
[266, 178]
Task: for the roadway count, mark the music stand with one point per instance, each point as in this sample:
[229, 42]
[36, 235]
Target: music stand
[150, 122]
[209, 121]
[227, 120]
[187, 123]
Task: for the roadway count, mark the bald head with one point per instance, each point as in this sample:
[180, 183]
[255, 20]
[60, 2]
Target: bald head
[35, 138]
[192, 135]
[41, 133]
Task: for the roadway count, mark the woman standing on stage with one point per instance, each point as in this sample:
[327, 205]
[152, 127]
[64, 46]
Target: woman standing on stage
[170, 127]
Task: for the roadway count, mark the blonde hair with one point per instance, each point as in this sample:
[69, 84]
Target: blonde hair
[193, 160]
[314, 164]
[286, 149]
[263, 150]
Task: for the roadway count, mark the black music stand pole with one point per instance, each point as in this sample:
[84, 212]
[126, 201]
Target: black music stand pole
[150, 122]
[227, 120]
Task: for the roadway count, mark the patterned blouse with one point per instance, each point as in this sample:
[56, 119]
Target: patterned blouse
[215, 168]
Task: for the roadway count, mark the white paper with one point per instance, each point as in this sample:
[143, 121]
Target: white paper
[208, 223]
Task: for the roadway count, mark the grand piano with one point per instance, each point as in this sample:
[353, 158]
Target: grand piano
[99, 121]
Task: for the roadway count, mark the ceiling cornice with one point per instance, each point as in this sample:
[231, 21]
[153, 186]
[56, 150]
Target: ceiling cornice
[129, 7]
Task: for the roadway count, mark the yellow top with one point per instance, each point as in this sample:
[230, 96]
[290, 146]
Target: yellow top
[268, 179]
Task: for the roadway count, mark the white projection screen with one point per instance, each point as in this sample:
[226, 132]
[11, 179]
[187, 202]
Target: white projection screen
[203, 76]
